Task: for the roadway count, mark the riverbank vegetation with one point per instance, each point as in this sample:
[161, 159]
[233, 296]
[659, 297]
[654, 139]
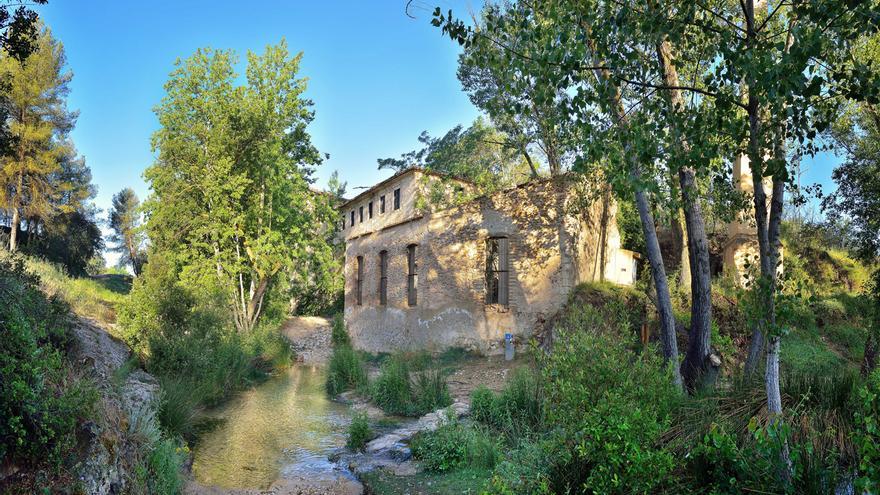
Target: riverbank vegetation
[408, 384]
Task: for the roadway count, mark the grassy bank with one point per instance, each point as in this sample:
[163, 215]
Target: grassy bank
[599, 416]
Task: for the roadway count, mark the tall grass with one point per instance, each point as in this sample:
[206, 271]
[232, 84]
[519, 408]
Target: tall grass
[345, 370]
[399, 390]
[93, 297]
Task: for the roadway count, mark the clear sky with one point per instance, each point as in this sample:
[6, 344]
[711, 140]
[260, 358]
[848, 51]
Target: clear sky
[377, 77]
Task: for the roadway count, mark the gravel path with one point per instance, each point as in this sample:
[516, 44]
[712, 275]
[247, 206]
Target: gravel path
[310, 338]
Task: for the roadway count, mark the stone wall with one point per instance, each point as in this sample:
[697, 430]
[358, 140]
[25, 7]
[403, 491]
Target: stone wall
[553, 246]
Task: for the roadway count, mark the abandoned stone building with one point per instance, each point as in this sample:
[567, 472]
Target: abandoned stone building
[466, 275]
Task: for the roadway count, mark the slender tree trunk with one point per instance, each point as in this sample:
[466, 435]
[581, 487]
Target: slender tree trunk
[528, 158]
[16, 214]
[603, 232]
[652, 244]
[696, 361]
[684, 273]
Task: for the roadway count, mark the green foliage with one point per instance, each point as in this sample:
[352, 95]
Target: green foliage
[186, 340]
[632, 236]
[517, 411]
[478, 154]
[248, 226]
[41, 400]
[158, 459]
[399, 390]
[867, 434]
[359, 432]
[124, 220]
[93, 297]
[345, 370]
[338, 333]
[454, 446]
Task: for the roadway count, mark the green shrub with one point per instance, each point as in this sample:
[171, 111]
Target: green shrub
[41, 400]
[159, 460]
[611, 407]
[392, 389]
[338, 333]
[398, 391]
[517, 411]
[867, 434]
[359, 432]
[454, 446]
[187, 341]
[345, 370]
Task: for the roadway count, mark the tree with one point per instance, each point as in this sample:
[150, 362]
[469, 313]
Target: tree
[520, 106]
[124, 220]
[479, 154]
[616, 139]
[231, 207]
[857, 198]
[39, 124]
[18, 29]
[336, 186]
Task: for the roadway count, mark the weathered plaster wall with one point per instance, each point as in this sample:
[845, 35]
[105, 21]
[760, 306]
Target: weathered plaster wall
[552, 248]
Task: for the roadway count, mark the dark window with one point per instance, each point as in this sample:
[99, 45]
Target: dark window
[352, 218]
[497, 274]
[383, 278]
[359, 281]
[343, 222]
[411, 277]
[397, 199]
[381, 204]
[370, 208]
[361, 213]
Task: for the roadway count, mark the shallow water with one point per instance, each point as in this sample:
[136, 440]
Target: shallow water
[283, 428]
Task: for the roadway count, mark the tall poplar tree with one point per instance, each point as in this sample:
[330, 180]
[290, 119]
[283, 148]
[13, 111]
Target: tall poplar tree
[232, 205]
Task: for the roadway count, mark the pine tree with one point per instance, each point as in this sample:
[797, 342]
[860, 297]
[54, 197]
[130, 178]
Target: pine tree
[39, 121]
[124, 220]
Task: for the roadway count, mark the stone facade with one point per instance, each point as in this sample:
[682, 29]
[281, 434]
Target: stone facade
[740, 249]
[553, 243]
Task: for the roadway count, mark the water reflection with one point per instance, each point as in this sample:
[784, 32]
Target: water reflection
[284, 427]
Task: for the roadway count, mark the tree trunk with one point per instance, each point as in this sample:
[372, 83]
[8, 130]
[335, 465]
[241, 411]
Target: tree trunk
[684, 272]
[696, 361]
[16, 214]
[661, 285]
[652, 245]
[528, 158]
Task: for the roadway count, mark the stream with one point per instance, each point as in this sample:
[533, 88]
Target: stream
[282, 429]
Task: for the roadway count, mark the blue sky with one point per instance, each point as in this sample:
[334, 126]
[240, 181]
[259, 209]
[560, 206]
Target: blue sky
[377, 77]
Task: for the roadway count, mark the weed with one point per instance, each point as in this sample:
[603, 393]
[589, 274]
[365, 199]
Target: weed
[359, 432]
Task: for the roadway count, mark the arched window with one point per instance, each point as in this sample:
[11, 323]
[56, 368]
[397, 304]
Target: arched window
[359, 280]
[383, 278]
[497, 274]
[411, 275]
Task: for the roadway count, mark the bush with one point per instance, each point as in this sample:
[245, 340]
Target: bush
[338, 334]
[829, 311]
[517, 411]
[41, 400]
[187, 342]
[345, 370]
[454, 446]
[867, 434]
[159, 460]
[397, 392]
[608, 406]
[359, 432]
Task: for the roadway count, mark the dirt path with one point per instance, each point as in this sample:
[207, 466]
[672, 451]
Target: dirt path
[310, 338]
